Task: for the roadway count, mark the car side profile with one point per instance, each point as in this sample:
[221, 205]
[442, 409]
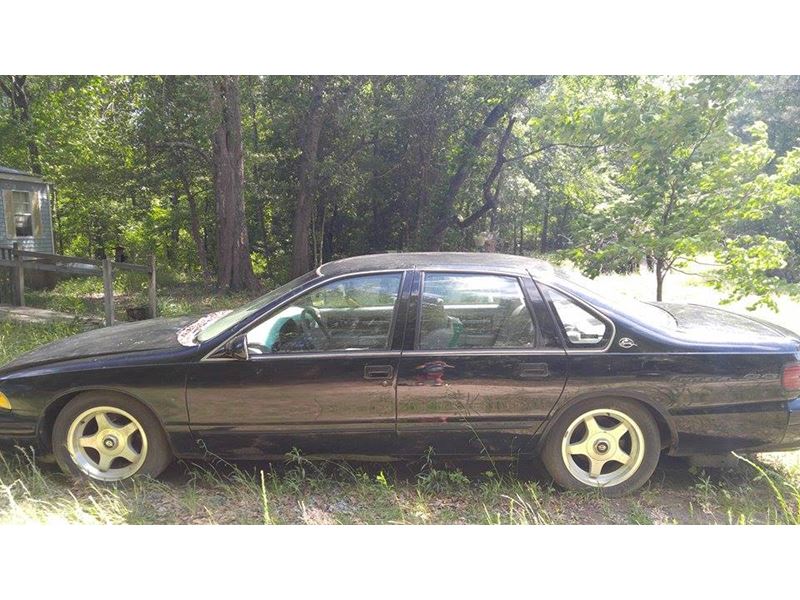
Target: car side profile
[390, 355]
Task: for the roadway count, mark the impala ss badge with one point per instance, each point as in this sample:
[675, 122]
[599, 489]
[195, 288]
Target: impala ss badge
[626, 343]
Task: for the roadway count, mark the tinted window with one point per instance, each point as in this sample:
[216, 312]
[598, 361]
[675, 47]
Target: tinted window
[474, 311]
[347, 314]
[581, 328]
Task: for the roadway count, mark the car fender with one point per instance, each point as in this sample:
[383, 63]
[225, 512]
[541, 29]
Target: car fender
[45, 422]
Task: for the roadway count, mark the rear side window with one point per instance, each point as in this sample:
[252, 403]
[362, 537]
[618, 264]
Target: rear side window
[581, 327]
[474, 311]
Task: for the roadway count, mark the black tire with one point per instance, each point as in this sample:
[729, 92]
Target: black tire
[158, 453]
[633, 477]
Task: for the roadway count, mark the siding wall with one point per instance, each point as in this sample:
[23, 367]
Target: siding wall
[42, 243]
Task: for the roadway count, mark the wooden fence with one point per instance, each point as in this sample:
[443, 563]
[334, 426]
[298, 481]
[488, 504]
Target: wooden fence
[18, 261]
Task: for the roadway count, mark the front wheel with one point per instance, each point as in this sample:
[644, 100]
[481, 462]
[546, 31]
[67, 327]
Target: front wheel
[611, 445]
[109, 437]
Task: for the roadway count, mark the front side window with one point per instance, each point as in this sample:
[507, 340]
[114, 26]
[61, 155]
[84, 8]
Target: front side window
[23, 214]
[474, 311]
[349, 314]
[581, 328]
[219, 322]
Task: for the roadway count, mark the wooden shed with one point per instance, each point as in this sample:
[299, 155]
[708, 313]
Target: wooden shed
[26, 217]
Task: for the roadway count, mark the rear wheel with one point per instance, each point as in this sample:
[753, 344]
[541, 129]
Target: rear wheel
[605, 444]
[109, 437]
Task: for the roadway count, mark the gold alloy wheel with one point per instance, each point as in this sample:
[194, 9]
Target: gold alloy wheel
[603, 447]
[107, 443]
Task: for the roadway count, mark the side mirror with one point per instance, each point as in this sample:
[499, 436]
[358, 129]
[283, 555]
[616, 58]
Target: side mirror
[237, 348]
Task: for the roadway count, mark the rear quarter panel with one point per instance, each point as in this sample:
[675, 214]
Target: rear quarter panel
[713, 401]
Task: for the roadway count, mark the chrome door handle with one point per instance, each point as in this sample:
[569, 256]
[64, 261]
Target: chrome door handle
[534, 371]
[378, 371]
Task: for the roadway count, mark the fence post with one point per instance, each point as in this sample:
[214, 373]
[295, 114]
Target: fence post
[19, 277]
[152, 288]
[108, 291]
[6, 255]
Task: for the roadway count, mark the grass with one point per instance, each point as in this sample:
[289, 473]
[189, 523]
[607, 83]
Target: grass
[759, 489]
[299, 491]
[17, 338]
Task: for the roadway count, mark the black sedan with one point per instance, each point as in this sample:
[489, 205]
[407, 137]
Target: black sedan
[390, 355]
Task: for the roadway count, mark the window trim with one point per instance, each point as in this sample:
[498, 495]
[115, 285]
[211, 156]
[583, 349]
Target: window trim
[417, 351]
[209, 356]
[583, 304]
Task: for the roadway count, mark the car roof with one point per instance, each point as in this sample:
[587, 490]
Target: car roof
[459, 261]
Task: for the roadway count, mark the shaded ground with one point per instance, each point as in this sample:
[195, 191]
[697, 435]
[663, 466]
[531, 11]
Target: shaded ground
[29, 314]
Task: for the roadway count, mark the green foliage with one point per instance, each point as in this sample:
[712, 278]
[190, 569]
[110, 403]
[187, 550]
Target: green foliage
[685, 182]
[608, 171]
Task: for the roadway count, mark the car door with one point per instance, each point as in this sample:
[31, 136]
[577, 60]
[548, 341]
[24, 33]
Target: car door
[320, 375]
[482, 366]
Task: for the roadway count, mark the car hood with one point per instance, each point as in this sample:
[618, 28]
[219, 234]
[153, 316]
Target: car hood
[153, 334]
[707, 324]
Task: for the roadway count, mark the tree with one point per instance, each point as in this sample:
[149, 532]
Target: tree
[14, 86]
[234, 269]
[325, 97]
[683, 178]
[306, 187]
[262, 177]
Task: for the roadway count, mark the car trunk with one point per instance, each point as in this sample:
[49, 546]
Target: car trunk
[704, 323]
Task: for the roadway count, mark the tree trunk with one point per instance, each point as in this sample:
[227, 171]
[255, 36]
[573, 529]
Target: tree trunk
[661, 272]
[175, 232]
[261, 232]
[330, 230]
[194, 226]
[234, 269]
[309, 144]
[545, 223]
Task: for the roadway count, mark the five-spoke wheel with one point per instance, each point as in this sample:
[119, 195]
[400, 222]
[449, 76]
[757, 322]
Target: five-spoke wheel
[611, 445]
[109, 437]
[107, 443]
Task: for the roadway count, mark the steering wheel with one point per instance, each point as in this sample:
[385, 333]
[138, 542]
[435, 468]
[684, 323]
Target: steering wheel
[316, 317]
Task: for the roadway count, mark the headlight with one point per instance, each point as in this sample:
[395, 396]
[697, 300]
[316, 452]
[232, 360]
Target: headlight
[4, 403]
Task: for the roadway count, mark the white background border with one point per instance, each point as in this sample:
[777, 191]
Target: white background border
[430, 37]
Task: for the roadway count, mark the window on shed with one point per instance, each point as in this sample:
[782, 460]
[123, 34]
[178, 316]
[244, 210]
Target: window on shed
[23, 213]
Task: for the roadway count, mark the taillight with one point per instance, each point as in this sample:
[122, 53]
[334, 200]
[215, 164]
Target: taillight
[791, 377]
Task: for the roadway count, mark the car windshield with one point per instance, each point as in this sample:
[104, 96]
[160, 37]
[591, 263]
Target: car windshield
[217, 326]
[644, 312]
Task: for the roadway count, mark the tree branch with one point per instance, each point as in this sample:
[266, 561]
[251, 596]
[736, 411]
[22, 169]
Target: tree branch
[185, 145]
[489, 196]
[549, 146]
[462, 172]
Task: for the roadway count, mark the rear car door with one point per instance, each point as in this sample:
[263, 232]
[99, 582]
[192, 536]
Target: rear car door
[482, 365]
[320, 376]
